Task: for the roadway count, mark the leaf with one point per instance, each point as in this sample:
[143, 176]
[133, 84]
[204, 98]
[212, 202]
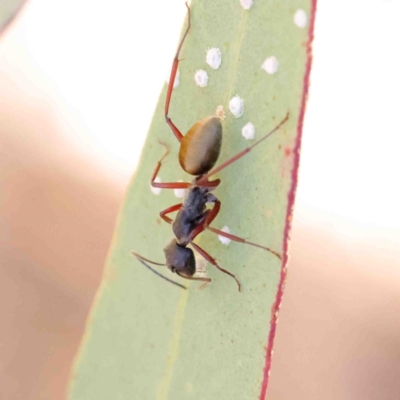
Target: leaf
[8, 10]
[148, 339]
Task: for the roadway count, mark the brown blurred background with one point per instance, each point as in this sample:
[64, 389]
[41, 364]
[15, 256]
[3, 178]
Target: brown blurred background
[338, 334]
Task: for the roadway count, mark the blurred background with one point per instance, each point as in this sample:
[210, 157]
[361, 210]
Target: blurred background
[79, 81]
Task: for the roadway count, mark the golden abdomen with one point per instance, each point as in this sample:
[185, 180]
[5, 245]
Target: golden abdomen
[201, 146]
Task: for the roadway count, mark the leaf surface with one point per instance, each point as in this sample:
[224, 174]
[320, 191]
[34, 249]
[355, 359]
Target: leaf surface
[8, 10]
[147, 339]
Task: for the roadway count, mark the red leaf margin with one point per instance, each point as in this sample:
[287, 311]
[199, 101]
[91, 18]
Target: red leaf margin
[289, 211]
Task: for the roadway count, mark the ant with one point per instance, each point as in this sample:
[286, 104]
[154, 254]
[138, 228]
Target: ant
[199, 152]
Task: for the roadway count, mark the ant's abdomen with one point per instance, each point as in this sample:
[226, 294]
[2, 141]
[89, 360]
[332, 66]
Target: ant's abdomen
[201, 146]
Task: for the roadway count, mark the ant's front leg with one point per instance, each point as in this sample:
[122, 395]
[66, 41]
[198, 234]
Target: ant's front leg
[241, 240]
[213, 262]
[192, 278]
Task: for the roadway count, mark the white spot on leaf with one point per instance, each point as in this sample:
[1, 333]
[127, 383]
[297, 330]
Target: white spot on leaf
[248, 131]
[201, 78]
[156, 190]
[179, 192]
[213, 57]
[246, 4]
[224, 240]
[270, 65]
[176, 81]
[236, 106]
[300, 18]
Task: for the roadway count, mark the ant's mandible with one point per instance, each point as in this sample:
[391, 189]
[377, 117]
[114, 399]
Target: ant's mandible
[198, 153]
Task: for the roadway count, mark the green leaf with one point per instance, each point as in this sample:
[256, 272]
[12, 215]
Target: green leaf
[148, 339]
[8, 10]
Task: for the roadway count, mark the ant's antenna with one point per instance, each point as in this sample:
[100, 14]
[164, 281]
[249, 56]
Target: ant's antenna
[142, 260]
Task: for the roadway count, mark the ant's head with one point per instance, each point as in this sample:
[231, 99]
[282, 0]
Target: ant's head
[180, 259]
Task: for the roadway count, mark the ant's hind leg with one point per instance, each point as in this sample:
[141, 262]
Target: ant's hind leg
[172, 77]
[166, 185]
[213, 262]
[241, 240]
[203, 179]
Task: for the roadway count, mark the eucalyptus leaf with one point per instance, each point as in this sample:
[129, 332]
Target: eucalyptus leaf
[8, 10]
[149, 339]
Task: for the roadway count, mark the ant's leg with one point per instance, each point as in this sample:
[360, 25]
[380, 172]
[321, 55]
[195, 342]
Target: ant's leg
[192, 278]
[163, 214]
[174, 70]
[240, 240]
[205, 177]
[211, 214]
[213, 262]
[208, 184]
[166, 185]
